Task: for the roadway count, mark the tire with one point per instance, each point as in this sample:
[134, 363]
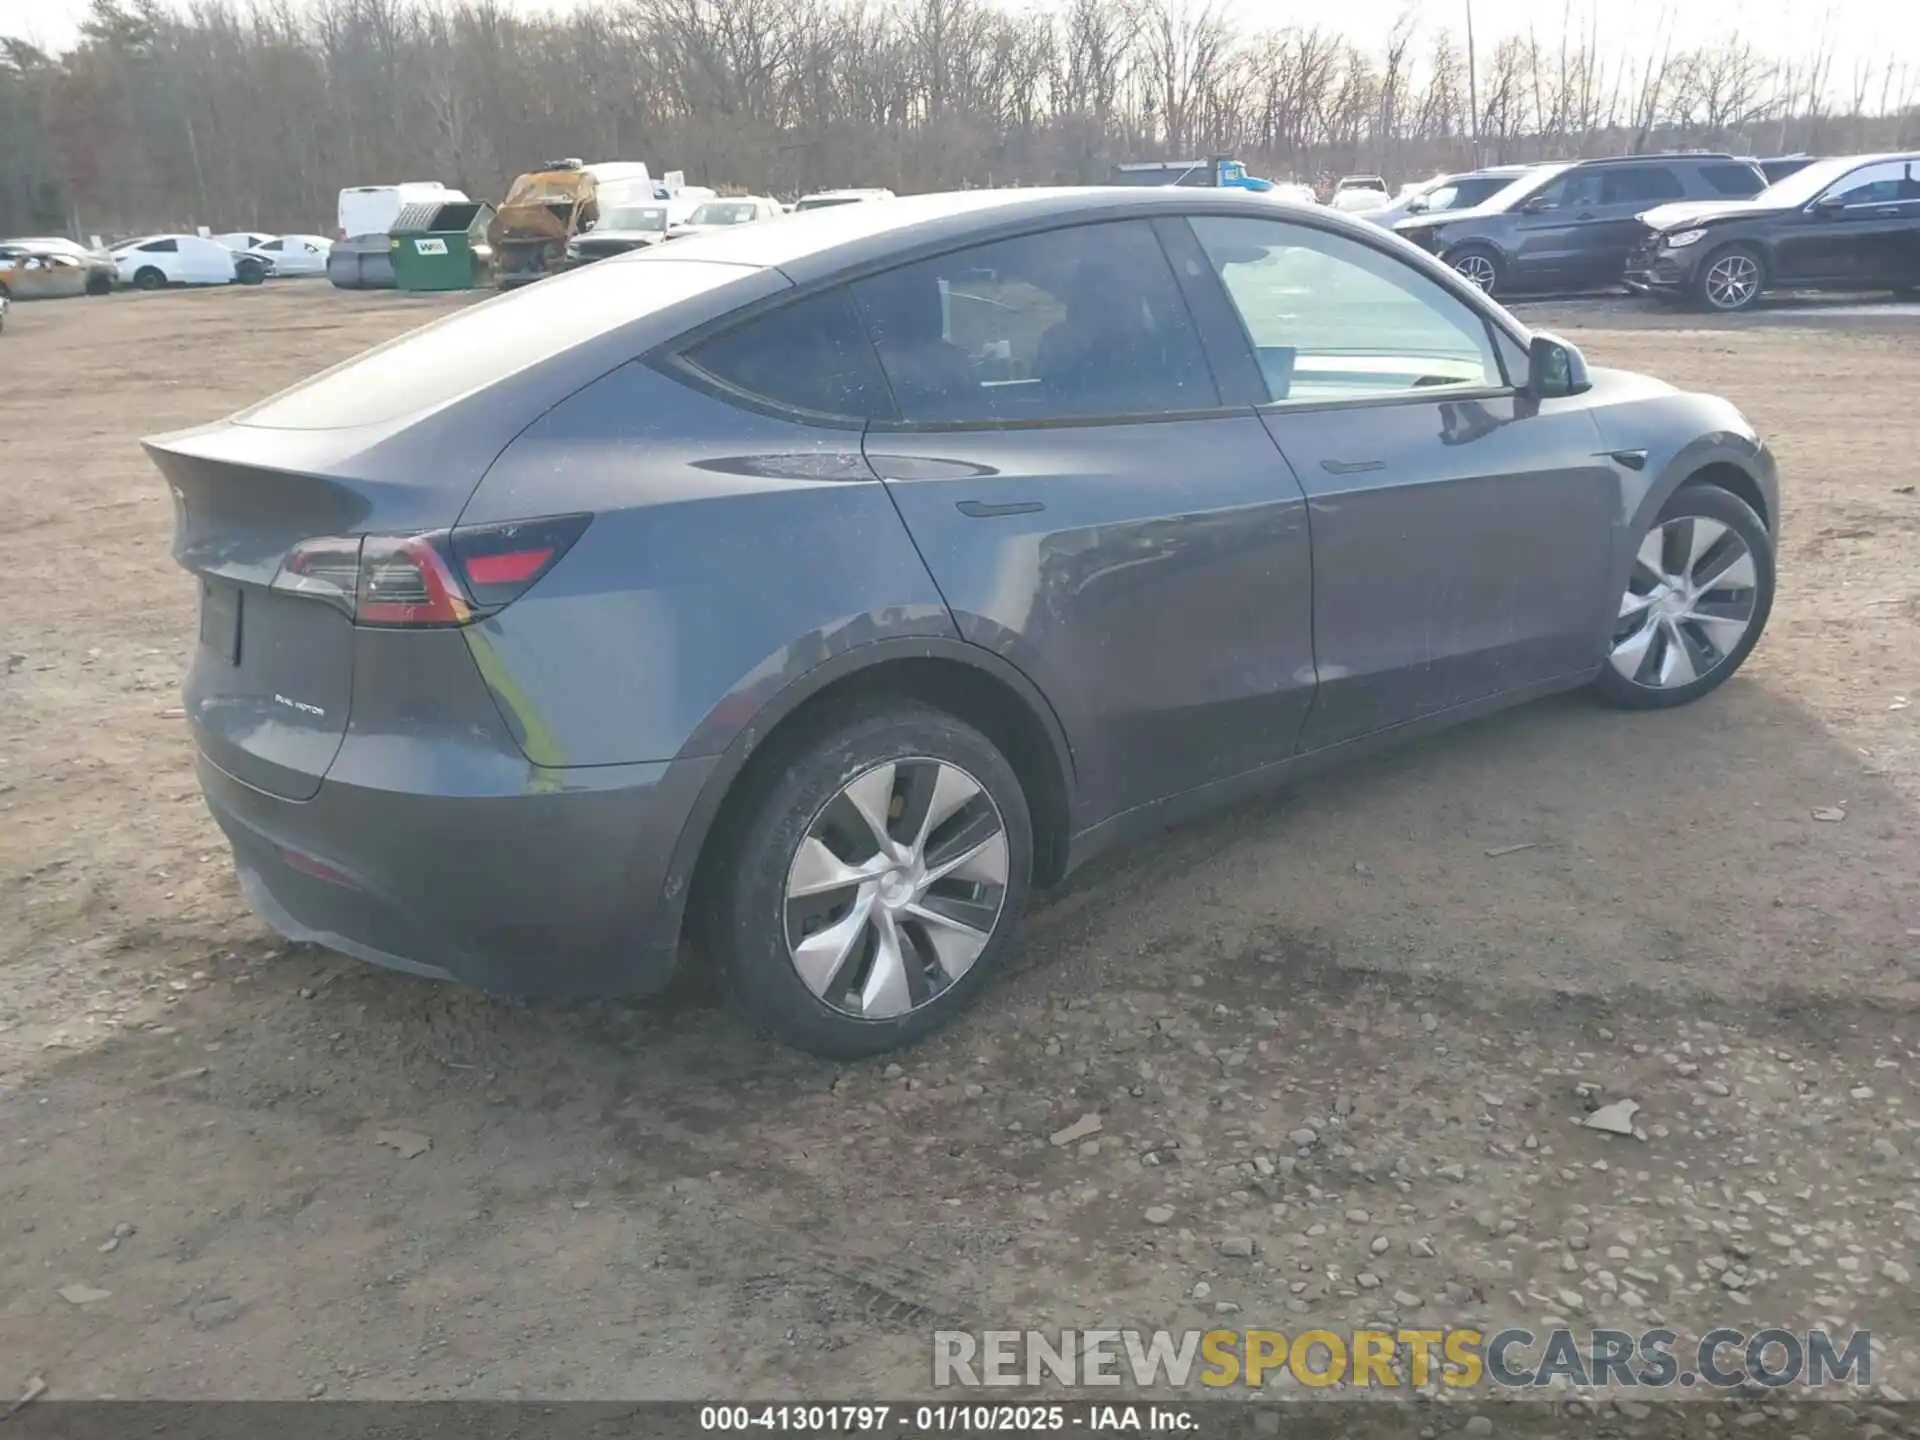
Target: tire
[1640, 650]
[99, 285]
[148, 278]
[1487, 273]
[901, 759]
[250, 272]
[1730, 280]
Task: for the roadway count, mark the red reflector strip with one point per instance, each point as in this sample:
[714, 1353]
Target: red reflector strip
[319, 869]
[508, 569]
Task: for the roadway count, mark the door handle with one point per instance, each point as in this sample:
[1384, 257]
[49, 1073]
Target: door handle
[1584, 215]
[980, 510]
[1351, 467]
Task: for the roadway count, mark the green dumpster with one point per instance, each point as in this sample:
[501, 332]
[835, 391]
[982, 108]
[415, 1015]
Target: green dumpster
[441, 245]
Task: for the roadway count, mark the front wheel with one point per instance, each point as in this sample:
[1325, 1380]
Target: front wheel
[250, 272]
[876, 881]
[1697, 599]
[1731, 280]
[1478, 266]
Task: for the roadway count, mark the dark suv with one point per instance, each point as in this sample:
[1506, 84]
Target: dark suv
[1573, 226]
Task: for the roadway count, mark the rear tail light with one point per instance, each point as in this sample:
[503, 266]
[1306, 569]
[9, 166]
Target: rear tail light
[434, 580]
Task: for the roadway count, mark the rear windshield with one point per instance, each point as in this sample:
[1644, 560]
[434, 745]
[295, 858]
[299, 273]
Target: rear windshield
[463, 352]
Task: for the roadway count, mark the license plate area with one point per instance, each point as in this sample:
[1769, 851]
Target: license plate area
[220, 616]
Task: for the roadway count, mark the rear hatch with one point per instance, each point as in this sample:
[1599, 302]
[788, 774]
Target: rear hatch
[271, 680]
[357, 477]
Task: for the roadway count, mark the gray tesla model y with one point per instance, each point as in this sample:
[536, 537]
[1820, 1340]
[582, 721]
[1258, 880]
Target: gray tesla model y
[812, 591]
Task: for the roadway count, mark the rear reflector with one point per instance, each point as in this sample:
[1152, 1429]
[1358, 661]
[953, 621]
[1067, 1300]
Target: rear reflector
[443, 578]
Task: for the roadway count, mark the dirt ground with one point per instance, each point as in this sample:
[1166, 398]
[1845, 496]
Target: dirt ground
[1718, 917]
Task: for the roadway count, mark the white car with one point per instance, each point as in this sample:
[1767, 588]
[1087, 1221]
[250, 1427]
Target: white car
[1295, 191]
[294, 254]
[1354, 201]
[240, 240]
[157, 260]
[721, 214]
[820, 200]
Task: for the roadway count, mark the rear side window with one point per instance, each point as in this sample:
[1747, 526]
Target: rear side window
[463, 352]
[1738, 181]
[811, 355]
[1637, 184]
[1075, 323]
[161, 247]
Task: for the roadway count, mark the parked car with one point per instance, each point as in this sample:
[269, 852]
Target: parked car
[753, 569]
[619, 229]
[717, 214]
[158, 260]
[28, 273]
[287, 255]
[1354, 193]
[241, 241]
[1850, 223]
[101, 270]
[826, 199]
[1446, 193]
[1571, 227]
[1295, 191]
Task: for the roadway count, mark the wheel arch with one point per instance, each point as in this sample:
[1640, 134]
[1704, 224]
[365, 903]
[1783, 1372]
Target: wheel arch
[964, 680]
[1737, 481]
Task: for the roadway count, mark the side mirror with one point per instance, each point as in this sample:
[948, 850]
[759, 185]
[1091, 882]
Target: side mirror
[1417, 205]
[1828, 206]
[1555, 368]
[1538, 205]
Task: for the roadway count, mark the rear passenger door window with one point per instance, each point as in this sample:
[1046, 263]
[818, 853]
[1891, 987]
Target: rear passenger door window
[1079, 323]
[808, 356]
[1331, 319]
[1640, 185]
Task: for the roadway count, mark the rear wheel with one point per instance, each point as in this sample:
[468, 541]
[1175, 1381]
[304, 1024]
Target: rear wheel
[1730, 280]
[249, 272]
[1478, 266]
[1695, 604]
[148, 278]
[876, 882]
[99, 284]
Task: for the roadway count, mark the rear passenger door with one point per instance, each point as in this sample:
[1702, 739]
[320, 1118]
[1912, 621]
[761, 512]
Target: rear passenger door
[1613, 226]
[1092, 506]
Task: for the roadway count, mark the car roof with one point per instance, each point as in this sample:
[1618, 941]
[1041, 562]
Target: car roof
[815, 244]
[1658, 157]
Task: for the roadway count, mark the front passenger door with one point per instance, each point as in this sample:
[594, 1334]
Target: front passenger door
[1461, 530]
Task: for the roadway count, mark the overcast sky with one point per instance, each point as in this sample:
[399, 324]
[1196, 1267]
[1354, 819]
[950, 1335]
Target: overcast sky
[1862, 31]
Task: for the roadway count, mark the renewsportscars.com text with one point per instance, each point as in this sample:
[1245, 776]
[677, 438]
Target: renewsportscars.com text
[1722, 1359]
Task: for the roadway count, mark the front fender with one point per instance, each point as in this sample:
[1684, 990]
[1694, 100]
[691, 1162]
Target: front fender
[1671, 437]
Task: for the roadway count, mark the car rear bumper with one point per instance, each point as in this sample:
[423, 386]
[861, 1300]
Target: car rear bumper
[566, 886]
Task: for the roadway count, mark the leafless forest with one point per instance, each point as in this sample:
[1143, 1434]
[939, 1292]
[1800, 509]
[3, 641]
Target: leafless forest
[255, 116]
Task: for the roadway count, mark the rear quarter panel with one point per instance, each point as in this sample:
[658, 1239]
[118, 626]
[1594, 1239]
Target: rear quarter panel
[731, 553]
